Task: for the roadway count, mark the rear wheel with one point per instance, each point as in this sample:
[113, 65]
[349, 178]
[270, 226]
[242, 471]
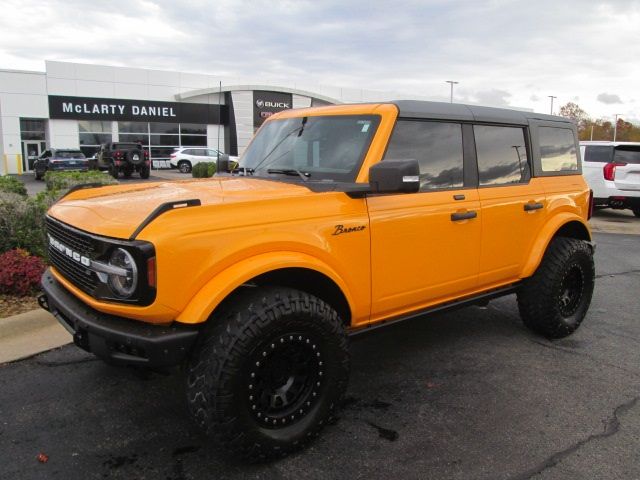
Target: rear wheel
[113, 170]
[269, 373]
[145, 171]
[554, 301]
[184, 166]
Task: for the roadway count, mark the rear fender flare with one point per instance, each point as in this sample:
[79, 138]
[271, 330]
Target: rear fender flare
[545, 236]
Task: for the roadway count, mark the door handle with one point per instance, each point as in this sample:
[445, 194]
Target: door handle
[529, 207]
[456, 217]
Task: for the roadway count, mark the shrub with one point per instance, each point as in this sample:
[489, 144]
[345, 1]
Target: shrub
[22, 223]
[9, 184]
[203, 170]
[62, 181]
[20, 272]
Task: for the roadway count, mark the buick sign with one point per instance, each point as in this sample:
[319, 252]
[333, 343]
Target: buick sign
[267, 103]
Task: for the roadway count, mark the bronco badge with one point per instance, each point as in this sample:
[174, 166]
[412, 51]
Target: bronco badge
[340, 229]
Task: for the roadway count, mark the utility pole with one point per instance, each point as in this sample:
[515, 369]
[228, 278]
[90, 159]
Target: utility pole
[452, 83]
[551, 97]
[615, 126]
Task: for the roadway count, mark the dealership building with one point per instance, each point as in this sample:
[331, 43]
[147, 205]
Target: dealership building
[72, 105]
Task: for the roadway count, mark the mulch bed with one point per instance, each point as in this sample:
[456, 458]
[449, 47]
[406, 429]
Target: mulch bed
[12, 305]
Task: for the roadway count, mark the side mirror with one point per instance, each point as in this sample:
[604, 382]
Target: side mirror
[395, 176]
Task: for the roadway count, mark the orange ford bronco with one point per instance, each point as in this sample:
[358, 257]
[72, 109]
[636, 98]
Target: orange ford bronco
[343, 218]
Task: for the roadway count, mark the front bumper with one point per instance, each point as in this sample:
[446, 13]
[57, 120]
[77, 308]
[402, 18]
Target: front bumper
[117, 340]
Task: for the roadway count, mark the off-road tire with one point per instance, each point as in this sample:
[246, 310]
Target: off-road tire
[113, 170]
[184, 166]
[38, 176]
[145, 172]
[240, 361]
[554, 301]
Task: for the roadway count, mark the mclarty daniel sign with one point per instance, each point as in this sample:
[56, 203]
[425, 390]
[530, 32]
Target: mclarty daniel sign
[84, 108]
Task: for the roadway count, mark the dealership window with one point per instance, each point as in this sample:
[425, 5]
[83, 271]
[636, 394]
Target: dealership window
[437, 146]
[93, 133]
[502, 155]
[161, 139]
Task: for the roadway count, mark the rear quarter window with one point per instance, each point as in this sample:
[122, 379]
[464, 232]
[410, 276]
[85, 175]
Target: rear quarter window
[598, 153]
[558, 151]
[627, 154]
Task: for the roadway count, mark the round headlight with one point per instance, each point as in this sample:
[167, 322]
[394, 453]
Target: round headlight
[123, 284]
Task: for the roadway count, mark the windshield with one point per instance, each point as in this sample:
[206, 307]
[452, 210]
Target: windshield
[316, 148]
[627, 154]
[68, 154]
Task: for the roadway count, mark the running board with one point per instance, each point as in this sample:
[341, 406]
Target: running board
[483, 298]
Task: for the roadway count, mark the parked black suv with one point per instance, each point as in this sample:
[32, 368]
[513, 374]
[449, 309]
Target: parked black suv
[56, 159]
[123, 157]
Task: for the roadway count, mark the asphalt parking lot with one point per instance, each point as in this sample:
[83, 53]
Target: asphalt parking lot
[465, 395]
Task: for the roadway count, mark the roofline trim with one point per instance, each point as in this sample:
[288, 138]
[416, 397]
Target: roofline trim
[271, 88]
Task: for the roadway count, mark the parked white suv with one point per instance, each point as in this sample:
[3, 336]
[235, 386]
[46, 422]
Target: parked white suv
[185, 158]
[612, 170]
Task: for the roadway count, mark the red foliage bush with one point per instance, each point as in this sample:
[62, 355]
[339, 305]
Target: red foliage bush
[20, 272]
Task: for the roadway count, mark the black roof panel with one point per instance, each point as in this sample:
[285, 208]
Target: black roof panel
[458, 111]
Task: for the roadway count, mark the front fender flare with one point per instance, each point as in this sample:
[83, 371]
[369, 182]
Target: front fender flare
[219, 287]
[545, 236]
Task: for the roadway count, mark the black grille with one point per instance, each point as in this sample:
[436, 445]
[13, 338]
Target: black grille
[70, 238]
[72, 270]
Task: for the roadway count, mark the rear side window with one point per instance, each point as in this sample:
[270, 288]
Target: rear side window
[502, 155]
[437, 146]
[598, 153]
[627, 154]
[557, 149]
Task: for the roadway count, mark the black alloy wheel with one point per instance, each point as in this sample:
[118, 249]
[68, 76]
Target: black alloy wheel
[284, 379]
[571, 290]
[554, 301]
[269, 372]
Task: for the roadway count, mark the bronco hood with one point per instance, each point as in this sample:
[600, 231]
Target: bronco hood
[117, 210]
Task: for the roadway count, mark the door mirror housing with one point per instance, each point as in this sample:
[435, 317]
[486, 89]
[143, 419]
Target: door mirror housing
[395, 176]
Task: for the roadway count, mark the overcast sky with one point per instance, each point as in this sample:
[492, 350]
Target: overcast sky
[503, 53]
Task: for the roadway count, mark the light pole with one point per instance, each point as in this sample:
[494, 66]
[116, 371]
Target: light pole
[615, 126]
[551, 97]
[452, 83]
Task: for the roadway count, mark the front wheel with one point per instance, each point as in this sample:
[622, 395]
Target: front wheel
[269, 372]
[554, 301]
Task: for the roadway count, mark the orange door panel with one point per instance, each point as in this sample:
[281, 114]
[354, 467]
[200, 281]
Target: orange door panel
[511, 218]
[424, 248]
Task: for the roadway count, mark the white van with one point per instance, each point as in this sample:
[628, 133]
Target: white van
[612, 170]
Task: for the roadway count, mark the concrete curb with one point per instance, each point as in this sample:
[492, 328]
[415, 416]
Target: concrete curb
[30, 333]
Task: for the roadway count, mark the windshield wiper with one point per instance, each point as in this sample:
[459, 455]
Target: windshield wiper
[290, 171]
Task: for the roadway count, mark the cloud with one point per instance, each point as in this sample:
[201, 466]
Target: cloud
[510, 57]
[609, 98]
[493, 98]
